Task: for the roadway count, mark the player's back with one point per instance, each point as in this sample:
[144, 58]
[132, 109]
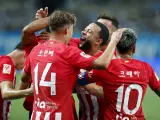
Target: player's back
[125, 83]
[54, 69]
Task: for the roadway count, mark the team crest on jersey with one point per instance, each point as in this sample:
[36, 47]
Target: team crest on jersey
[6, 68]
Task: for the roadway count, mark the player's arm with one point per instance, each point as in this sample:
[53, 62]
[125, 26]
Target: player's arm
[154, 84]
[81, 60]
[95, 90]
[26, 74]
[8, 92]
[7, 81]
[29, 30]
[103, 61]
[24, 83]
[87, 80]
[154, 81]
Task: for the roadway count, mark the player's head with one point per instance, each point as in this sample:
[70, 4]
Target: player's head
[62, 24]
[128, 42]
[18, 56]
[94, 35]
[110, 22]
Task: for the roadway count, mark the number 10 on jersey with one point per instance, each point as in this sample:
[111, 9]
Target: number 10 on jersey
[124, 94]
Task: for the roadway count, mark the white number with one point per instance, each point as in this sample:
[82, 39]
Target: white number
[120, 91]
[58, 115]
[50, 83]
[119, 98]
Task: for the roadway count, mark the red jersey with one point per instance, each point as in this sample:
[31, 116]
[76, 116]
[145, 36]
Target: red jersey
[54, 67]
[7, 73]
[125, 83]
[90, 107]
[28, 103]
[74, 42]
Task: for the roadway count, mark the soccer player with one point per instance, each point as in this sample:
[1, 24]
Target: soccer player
[110, 22]
[30, 40]
[125, 81]
[90, 106]
[54, 66]
[8, 66]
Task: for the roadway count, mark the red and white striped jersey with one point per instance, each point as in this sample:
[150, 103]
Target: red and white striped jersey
[5, 109]
[88, 105]
[7, 72]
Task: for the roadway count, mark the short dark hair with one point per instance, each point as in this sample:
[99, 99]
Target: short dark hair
[127, 41]
[104, 33]
[59, 19]
[19, 46]
[111, 18]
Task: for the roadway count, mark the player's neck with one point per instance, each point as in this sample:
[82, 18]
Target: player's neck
[94, 50]
[13, 55]
[123, 56]
[58, 37]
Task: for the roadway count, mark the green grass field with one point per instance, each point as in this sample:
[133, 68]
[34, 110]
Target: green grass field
[151, 107]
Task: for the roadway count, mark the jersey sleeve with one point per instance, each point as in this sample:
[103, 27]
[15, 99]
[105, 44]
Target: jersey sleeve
[7, 72]
[154, 81]
[77, 58]
[27, 66]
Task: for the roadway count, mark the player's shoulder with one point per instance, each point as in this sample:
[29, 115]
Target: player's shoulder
[133, 61]
[38, 46]
[74, 42]
[142, 65]
[5, 59]
[130, 62]
[6, 64]
[140, 62]
[71, 48]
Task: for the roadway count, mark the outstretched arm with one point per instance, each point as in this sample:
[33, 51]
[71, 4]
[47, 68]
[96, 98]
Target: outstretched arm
[30, 29]
[77, 58]
[89, 84]
[154, 81]
[95, 90]
[24, 83]
[8, 92]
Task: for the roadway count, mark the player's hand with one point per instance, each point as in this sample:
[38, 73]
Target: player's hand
[116, 36]
[44, 36]
[30, 90]
[42, 13]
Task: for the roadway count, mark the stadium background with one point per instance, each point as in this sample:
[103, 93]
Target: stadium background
[142, 16]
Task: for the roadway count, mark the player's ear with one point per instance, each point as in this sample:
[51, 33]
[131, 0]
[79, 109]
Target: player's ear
[134, 49]
[99, 41]
[65, 31]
